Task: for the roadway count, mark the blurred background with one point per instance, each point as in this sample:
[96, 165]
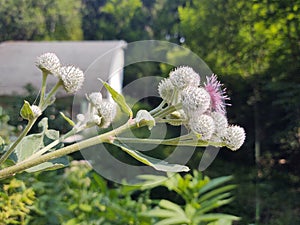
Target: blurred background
[253, 47]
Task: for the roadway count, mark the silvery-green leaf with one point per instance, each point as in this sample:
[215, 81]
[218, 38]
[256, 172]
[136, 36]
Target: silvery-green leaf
[157, 164]
[52, 165]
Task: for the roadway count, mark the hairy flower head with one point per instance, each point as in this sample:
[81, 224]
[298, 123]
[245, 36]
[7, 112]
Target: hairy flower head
[183, 77]
[71, 77]
[166, 89]
[217, 94]
[235, 137]
[203, 125]
[107, 111]
[48, 62]
[195, 100]
[95, 98]
[221, 124]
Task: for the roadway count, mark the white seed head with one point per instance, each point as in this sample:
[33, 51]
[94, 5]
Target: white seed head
[36, 110]
[203, 125]
[165, 90]
[235, 137]
[107, 111]
[221, 123]
[48, 62]
[71, 77]
[183, 77]
[195, 100]
[95, 98]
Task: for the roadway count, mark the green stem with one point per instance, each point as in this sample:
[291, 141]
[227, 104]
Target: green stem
[168, 110]
[21, 136]
[175, 142]
[158, 108]
[43, 89]
[46, 102]
[107, 137]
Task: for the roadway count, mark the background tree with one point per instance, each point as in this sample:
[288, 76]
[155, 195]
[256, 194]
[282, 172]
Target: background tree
[40, 20]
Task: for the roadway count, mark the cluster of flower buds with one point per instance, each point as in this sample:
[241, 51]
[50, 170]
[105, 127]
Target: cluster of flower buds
[200, 108]
[101, 112]
[71, 77]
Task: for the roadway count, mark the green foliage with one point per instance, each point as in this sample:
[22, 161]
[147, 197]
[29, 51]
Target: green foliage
[201, 195]
[6, 130]
[78, 195]
[34, 142]
[40, 20]
[16, 202]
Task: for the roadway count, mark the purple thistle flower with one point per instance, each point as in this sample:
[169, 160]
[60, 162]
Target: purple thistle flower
[217, 94]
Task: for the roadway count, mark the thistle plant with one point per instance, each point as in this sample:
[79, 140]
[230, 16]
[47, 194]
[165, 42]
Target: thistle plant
[185, 102]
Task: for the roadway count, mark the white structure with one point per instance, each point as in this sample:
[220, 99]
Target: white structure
[98, 59]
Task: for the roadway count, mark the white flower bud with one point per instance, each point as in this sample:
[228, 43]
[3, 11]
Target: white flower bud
[176, 115]
[203, 125]
[221, 124]
[195, 100]
[107, 111]
[71, 77]
[183, 77]
[235, 137]
[165, 90]
[48, 62]
[95, 98]
[80, 117]
[96, 119]
[36, 110]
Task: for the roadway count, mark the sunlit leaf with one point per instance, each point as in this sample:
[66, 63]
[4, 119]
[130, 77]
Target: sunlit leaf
[118, 98]
[26, 111]
[67, 119]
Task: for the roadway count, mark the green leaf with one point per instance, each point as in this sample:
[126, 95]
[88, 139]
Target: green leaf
[29, 145]
[216, 192]
[221, 222]
[119, 99]
[153, 162]
[161, 213]
[67, 119]
[174, 220]
[171, 206]
[143, 117]
[26, 111]
[215, 216]
[52, 165]
[214, 183]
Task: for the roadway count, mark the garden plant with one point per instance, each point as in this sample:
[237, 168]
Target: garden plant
[198, 106]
